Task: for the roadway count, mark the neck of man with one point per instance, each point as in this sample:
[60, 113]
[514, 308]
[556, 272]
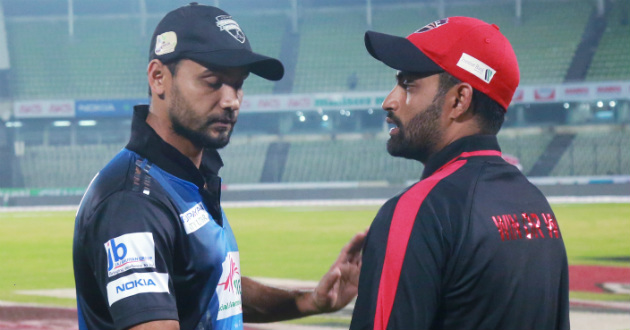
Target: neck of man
[164, 128]
[455, 131]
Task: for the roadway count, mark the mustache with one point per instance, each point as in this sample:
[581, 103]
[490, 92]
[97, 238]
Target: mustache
[227, 118]
[396, 121]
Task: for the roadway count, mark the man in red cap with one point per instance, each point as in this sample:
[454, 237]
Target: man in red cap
[473, 244]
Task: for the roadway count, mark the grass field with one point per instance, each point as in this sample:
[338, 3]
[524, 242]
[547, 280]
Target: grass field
[300, 243]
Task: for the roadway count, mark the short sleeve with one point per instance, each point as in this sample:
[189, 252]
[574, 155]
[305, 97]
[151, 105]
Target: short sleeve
[130, 243]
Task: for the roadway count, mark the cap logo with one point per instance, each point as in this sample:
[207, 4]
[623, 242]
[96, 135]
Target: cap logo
[226, 23]
[165, 43]
[476, 67]
[432, 25]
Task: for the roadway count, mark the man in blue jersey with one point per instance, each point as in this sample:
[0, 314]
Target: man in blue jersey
[473, 244]
[152, 247]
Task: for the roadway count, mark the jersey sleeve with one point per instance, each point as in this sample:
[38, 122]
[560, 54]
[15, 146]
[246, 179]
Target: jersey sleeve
[130, 243]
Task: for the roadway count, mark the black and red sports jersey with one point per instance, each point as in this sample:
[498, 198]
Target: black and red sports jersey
[472, 245]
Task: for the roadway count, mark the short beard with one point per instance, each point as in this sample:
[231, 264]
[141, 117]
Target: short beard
[182, 117]
[419, 138]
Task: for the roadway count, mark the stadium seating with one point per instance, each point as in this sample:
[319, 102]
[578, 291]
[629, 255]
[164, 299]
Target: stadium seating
[347, 160]
[106, 58]
[64, 166]
[333, 160]
[596, 153]
[527, 147]
[612, 58]
[48, 63]
[243, 161]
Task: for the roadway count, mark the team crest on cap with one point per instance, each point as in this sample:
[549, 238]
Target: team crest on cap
[226, 23]
[432, 25]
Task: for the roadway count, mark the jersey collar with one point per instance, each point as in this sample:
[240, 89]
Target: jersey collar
[147, 143]
[462, 148]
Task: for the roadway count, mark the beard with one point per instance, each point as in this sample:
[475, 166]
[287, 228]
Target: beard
[419, 138]
[195, 128]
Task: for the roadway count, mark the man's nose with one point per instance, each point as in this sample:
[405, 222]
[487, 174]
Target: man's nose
[391, 102]
[229, 98]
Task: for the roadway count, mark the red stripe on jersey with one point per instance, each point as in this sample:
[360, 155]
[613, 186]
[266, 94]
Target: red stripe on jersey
[480, 153]
[472, 154]
[399, 232]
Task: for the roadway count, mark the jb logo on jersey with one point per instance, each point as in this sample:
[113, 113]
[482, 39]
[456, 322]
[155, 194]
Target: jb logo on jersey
[129, 251]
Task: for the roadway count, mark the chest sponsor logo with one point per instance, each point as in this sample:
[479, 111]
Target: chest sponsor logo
[129, 251]
[195, 218]
[229, 287]
[136, 283]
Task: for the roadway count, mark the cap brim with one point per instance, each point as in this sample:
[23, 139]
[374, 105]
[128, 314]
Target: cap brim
[399, 53]
[263, 66]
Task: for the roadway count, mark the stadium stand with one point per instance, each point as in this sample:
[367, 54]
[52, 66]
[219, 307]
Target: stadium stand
[106, 59]
[92, 64]
[527, 147]
[334, 160]
[48, 63]
[331, 50]
[596, 153]
[64, 166]
[347, 160]
[612, 58]
[243, 161]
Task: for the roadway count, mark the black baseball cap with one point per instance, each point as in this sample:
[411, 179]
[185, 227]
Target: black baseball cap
[209, 36]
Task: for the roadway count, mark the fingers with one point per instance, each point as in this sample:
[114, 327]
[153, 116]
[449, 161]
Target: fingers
[325, 294]
[352, 251]
[330, 279]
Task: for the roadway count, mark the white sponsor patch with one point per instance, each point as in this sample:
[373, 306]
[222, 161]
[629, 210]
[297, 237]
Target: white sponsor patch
[229, 287]
[136, 283]
[195, 218]
[136, 250]
[226, 23]
[476, 67]
[165, 43]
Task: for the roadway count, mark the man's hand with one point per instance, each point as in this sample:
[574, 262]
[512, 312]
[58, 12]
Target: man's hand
[340, 284]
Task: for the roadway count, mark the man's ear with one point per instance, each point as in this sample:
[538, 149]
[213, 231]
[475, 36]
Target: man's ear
[156, 74]
[460, 99]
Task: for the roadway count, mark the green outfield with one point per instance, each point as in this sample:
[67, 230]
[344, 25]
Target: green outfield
[290, 242]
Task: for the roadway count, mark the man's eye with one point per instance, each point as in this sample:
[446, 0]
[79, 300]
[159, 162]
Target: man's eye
[214, 84]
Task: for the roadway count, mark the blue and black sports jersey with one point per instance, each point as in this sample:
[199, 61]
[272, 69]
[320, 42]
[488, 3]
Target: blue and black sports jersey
[473, 245]
[151, 241]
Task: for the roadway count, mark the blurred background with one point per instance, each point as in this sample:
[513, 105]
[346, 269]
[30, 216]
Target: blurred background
[71, 71]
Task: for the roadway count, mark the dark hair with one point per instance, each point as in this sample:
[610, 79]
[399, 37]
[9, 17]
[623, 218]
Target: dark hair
[172, 67]
[491, 114]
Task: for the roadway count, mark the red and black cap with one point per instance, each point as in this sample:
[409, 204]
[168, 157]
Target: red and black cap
[471, 50]
[210, 36]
